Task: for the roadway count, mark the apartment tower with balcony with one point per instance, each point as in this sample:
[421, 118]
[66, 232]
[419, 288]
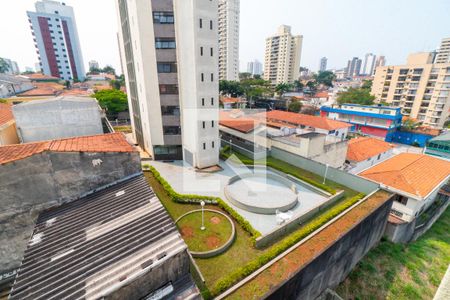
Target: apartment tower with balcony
[169, 55]
[228, 26]
[282, 56]
[56, 40]
[420, 87]
[443, 54]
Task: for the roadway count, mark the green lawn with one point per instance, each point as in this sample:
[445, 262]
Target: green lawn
[394, 271]
[216, 233]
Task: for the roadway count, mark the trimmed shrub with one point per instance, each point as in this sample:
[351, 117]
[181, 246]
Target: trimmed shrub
[196, 199]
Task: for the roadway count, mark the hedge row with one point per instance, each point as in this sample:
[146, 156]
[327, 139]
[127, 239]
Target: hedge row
[248, 161]
[279, 248]
[195, 199]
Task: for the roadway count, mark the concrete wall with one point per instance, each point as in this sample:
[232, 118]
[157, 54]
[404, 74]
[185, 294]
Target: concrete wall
[354, 182]
[33, 184]
[335, 263]
[8, 134]
[55, 119]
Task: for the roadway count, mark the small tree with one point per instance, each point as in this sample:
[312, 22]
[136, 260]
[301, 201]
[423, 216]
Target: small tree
[109, 70]
[115, 84]
[114, 101]
[298, 85]
[282, 88]
[325, 77]
[4, 67]
[295, 106]
[356, 96]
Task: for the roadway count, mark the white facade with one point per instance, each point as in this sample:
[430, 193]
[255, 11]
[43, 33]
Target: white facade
[56, 40]
[369, 64]
[282, 56]
[228, 30]
[443, 55]
[254, 67]
[323, 64]
[356, 167]
[169, 54]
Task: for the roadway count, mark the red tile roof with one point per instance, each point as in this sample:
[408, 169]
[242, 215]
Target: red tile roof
[321, 95]
[416, 174]
[6, 114]
[231, 119]
[40, 76]
[231, 100]
[360, 149]
[305, 120]
[112, 142]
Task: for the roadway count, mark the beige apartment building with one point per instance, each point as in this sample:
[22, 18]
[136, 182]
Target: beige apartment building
[282, 56]
[420, 87]
[228, 27]
[443, 54]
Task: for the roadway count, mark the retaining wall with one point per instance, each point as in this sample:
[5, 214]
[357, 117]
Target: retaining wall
[333, 265]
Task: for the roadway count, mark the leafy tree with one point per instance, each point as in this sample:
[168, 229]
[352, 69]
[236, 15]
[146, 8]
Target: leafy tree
[309, 110]
[367, 84]
[257, 76]
[356, 96]
[312, 86]
[114, 101]
[298, 85]
[115, 84]
[245, 75]
[325, 77]
[410, 124]
[295, 106]
[282, 88]
[4, 67]
[255, 87]
[230, 88]
[94, 70]
[109, 70]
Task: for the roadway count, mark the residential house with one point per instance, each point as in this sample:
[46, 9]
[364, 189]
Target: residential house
[439, 146]
[365, 152]
[379, 121]
[421, 183]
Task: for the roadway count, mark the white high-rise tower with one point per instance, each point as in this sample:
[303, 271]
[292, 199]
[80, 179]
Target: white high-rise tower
[229, 11]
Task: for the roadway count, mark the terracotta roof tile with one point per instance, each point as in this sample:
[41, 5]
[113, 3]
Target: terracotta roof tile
[305, 120]
[417, 174]
[113, 142]
[231, 119]
[360, 149]
[6, 114]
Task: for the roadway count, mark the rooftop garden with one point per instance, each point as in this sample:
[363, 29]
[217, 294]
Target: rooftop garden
[396, 271]
[243, 258]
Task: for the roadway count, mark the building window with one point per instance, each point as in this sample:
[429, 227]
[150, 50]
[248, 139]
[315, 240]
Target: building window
[203, 101]
[379, 156]
[402, 199]
[212, 77]
[164, 43]
[163, 17]
[167, 67]
[211, 24]
[212, 144]
[201, 23]
[212, 124]
[202, 76]
[204, 146]
[170, 110]
[201, 51]
[171, 130]
[203, 124]
[212, 51]
[212, 100]
[168, 89]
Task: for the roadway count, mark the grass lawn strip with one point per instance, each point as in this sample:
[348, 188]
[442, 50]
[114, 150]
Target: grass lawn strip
[289, 264]
[216, 233]
[397, 271]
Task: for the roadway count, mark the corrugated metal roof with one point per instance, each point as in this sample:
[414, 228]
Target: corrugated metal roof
[91, 247]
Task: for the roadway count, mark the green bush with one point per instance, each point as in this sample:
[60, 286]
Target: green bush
[279, 248]
[190, 199]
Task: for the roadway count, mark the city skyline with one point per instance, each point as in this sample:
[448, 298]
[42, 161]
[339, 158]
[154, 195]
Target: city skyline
[254, 29]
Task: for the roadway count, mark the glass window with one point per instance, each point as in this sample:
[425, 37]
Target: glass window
[163, 17]
[170, 110]
[171, 130]
[164, 43]
[167, 67]
[168, 89]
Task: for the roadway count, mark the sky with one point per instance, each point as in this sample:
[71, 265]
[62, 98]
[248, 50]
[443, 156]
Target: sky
[337, 29]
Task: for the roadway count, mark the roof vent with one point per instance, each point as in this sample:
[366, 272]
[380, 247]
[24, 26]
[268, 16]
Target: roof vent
[120, 193]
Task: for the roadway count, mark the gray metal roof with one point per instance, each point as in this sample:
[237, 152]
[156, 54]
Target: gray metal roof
[93, 246]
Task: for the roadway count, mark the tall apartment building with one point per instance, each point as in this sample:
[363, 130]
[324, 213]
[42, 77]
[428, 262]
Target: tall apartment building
[354, 67]
[443, 54]
[282, 56]
[419, 87]
[323, 64]
[229, 11]
[379, 62]
[13, 67]
[254, 67]
[170, 59]
[369, 64]
[56, 40]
